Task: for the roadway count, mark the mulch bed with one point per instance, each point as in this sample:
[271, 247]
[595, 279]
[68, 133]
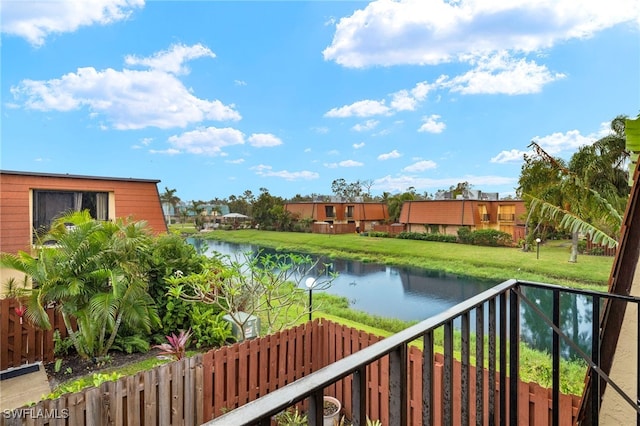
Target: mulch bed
[73, 366]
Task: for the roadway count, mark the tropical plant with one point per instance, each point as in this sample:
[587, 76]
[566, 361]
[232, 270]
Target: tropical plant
[176, 346]
[96, 274]
[267, 285]
[291, 417]
[208, 326]
[587, 196]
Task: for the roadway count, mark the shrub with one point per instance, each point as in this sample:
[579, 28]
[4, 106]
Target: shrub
[443, 238]
[378, 234]
[176, 346]
[209, 329]
[464, 235]
[490, 237]
[582, 246]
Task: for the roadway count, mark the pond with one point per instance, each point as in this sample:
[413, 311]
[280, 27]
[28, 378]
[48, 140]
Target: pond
[415, 294]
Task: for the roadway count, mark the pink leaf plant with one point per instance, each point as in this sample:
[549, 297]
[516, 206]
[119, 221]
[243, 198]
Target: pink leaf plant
[176, 346]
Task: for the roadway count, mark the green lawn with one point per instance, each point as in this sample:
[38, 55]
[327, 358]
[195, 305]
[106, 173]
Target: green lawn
[494, 263]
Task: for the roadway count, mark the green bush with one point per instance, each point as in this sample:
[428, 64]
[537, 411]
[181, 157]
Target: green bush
[443, 238]
[596, 251]
[378, 234]
[208, 327]
[464, 235]
[490, 237]
[582, 246]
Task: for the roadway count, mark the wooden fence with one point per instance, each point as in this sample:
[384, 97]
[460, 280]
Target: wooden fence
[241, 373]
[200, 388]
[23, 343]
[170, 394]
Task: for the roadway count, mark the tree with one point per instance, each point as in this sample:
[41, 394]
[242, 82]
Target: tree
[265, 210]
[265, 285]
[346, 191]
[96, 274]
[367, 184]
[587, 196]
[169, 198]
[395, 203]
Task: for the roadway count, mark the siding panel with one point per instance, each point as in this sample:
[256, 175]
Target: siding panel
[138, 199]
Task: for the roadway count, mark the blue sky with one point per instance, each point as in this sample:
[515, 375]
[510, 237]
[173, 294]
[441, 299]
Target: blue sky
[216, 98]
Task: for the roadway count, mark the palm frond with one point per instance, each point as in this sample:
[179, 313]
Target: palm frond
[571, 222]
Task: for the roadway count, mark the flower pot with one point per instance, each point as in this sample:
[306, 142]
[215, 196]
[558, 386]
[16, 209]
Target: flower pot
[331, 411]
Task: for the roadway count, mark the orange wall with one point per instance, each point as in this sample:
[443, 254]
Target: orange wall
[361, 211]
[136, 198]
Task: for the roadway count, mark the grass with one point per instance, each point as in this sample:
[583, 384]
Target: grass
[494, 263]
[487, 263]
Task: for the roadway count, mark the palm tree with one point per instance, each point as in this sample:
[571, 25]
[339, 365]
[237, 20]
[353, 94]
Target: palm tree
[169, 198]
[587, 196]
[96, 274]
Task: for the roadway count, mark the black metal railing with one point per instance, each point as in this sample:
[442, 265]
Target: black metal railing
[508, 217]
[496, 315]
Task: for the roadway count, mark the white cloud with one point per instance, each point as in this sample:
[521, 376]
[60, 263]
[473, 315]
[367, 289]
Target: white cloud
[366, 108]
[171, 60]
[238, 161]
[514, 155]
[556, 143]
[350, 163]
[411, 32]
[358, 145]
[502, 74]
[395, 184]
[267, 171]
[402, 101]
[432, 125]
[367, 125]
[345, 163]
[262, 140]
[321, 130]
[169, 151]
[129, 99]
[36, 20]
[239, 82]
[420, 166]
[207, 141]
[389, 155]
[568, 141]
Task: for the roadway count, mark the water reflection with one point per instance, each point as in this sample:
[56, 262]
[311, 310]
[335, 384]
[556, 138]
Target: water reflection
[414, 294]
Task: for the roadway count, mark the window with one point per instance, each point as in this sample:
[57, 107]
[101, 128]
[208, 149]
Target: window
[48, 205]
[507, 213]
[484, 215]
[328, 211]
[349, 211]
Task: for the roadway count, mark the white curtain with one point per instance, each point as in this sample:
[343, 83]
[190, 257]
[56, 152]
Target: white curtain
[77, 201]
[102, 210]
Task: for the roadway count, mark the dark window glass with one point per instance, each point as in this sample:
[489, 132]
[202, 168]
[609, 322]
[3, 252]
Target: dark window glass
[49, 205]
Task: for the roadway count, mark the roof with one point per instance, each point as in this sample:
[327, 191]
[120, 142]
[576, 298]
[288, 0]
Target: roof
[70, 176]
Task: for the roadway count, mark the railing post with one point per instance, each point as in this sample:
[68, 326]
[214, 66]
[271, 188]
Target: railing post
[447, 375]
[480, 365]
[503, 357]
[492, 362]
[398, 386]
[359, 396]
[464, 370]
[316, 408]
[556, 360]
[514, 355]
[427, 380]
[594, 378]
